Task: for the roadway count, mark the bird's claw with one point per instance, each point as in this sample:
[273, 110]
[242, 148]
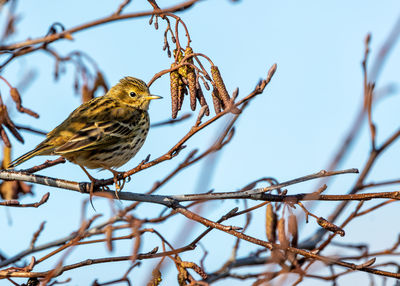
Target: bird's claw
[91, 189]
[118, 185]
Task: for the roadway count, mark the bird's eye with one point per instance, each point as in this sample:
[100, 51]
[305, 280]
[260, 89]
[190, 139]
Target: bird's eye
[132, 94]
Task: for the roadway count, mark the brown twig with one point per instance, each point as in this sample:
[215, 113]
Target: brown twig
[172, 121]
[63, 34]
[15, 203]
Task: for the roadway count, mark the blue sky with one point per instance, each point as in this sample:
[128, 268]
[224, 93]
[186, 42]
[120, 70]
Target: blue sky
[291, 130]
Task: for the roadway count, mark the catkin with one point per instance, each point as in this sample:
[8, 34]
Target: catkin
[216, 100]
[223, 93]
[156, 278]
[181, 92]
[281, 233]
[270, 223]
[6, 121]
[191, 78]
[174, 84]
[17, 99]
[100, 82]
[183, 69]
[293, 229]
[192, 89]
[202, 100]
[109, 238]
[86, 93]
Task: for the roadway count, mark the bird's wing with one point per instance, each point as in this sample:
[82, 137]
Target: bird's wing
[106, 131]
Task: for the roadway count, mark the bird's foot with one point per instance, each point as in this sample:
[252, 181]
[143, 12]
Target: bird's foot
[91, 193]
[119, 183]
[93, 182]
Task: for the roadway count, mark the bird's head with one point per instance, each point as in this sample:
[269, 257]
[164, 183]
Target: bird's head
[133, 92]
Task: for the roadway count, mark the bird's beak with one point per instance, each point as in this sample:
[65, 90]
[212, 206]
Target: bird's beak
[152, 96]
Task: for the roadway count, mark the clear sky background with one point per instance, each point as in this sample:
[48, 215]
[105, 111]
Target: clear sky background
[291, 130]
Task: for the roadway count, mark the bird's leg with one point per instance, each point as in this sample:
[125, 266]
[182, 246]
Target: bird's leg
[92, 183]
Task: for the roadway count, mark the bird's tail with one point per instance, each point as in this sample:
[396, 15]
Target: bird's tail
[37, 151]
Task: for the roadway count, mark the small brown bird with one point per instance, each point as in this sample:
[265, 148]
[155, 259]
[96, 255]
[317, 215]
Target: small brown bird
[105, 132]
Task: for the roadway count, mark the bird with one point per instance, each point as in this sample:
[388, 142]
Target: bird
[103, 133]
